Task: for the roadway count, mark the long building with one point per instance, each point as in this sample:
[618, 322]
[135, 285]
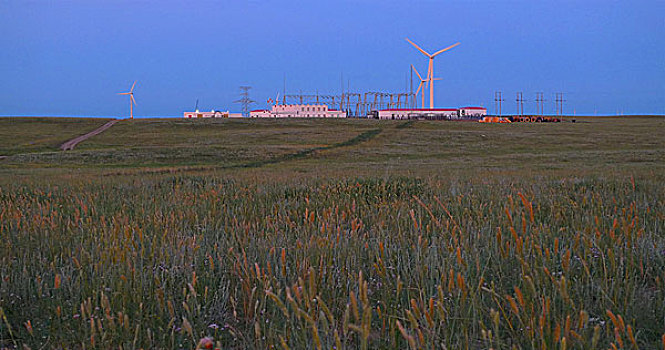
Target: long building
[433, 114]
[298, 111]
[211, 114]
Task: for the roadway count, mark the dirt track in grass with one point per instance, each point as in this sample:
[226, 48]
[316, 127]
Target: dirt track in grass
[69, 145]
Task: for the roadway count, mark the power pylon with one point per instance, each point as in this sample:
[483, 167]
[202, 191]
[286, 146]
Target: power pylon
[244, 100]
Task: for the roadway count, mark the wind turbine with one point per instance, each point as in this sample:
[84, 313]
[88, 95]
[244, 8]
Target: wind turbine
[422, 82]
[430, 69]
[132, 102]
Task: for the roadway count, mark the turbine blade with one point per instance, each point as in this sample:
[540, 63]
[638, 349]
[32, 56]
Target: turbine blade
[132, 89]
[418, 47]
[123, 93]
[131, 97]
[419, 87]
[418, 74]
[446, 49]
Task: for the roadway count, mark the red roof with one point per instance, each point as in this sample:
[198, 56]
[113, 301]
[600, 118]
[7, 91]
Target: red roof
[260, 110]
[418, 110]
[473, 108]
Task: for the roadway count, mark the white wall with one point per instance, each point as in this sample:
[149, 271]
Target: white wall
[405, 113]
[212, 114]
[476, 112]
[299, 111]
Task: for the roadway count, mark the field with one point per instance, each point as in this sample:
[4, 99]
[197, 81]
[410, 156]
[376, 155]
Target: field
[333, 234]
[23, 135]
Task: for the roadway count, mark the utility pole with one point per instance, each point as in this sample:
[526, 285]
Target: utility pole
[520, 103]
[348, 97]
[341, 84]
[539, 103]
[559, 103]
[244, 100]
[497, 102]
[411, 95]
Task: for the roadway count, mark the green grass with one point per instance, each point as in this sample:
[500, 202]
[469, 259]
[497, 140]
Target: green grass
[349, 234]
[33, 134]
[421, 148]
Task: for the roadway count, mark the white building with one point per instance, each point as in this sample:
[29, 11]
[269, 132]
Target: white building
[297, 111]
[418, 113]
[211, 114]
[472, 111]
[433, 114]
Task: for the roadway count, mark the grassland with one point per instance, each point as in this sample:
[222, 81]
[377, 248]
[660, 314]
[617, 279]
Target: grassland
[34, 134]
[347, 234]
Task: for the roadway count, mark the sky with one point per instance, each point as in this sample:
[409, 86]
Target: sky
[72, 57]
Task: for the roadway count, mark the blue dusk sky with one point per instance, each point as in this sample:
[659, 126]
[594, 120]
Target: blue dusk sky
[71, 57]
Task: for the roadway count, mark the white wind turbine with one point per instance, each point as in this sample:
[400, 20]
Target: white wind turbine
[422, 82]
[132, 102]
[430, 69]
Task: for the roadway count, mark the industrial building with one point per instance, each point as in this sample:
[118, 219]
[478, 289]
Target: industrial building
[298, 111]
[472, 111]
[323, 111]
[432, 114]
[418, 113]
[371, 104]
[211, 114]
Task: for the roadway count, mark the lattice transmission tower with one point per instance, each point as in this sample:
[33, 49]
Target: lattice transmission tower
[244, 100]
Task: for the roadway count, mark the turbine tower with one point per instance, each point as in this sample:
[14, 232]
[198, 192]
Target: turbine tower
[430, 69]
[422, 82]
[132, 102]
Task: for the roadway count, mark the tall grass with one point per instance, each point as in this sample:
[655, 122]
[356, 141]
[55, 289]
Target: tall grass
[366, 263]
